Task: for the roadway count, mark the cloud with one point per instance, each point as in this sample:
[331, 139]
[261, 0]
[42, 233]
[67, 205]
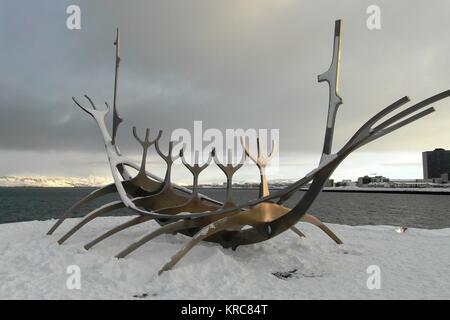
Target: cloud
[232, 64]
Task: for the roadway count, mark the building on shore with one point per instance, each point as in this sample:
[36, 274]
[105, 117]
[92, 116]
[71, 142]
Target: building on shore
[383, 182]
[436, 164]
[411, 183]
[377, 181]
[345, 183]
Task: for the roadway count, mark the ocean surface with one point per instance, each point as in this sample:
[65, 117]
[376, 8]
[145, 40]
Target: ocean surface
[409, 210]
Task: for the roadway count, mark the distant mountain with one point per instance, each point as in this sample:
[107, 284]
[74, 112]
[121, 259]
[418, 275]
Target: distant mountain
[91, 181]
[96, 181]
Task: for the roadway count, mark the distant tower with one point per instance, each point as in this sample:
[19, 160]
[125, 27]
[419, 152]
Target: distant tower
[435, 163]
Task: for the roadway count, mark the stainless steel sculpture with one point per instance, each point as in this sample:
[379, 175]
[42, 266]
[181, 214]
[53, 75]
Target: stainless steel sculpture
[181, 210]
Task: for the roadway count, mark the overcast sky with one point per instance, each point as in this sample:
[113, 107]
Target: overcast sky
[232, 64]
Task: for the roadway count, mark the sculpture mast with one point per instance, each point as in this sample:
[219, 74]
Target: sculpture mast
[331, 76]
[116, 119]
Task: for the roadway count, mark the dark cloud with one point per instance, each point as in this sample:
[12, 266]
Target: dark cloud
[232, 64]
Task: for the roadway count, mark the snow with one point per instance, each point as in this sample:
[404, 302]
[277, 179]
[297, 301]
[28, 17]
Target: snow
[414, 264]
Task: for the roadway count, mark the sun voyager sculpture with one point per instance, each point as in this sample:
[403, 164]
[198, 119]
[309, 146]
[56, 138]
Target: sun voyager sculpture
[181, 210]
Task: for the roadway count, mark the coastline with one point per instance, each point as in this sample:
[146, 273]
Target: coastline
[430, 191]
[433, 191]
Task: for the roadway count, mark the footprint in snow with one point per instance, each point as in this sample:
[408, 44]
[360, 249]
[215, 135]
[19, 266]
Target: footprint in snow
[144, 295]
[283, 275]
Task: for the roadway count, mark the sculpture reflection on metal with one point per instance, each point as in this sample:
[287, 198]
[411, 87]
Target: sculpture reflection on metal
[181, 210]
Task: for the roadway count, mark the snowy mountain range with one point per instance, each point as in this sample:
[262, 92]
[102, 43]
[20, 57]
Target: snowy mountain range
[38, 181]
[97, 181]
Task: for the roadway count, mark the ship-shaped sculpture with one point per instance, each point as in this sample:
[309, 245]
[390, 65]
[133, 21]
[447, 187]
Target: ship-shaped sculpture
[180, 210]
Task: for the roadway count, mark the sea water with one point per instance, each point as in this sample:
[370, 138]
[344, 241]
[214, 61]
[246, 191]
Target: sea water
[408, 210]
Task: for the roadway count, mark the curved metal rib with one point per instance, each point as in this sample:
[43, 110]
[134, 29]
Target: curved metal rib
[135, 221]
[313, 220]
[298, 232]
[206, 232]
[91, 216]
[169, 228]
[90, 197]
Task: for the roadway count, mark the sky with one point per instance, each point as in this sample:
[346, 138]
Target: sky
[228, 63]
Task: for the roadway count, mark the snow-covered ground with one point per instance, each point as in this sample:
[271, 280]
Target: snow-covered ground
[414, 264]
